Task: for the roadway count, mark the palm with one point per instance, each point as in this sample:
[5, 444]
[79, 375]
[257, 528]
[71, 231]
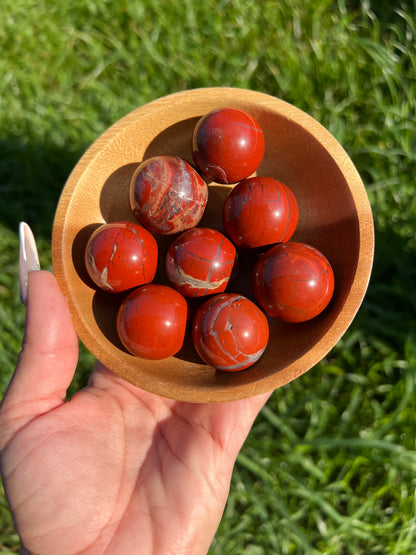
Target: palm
[122, 470]
[116, 469]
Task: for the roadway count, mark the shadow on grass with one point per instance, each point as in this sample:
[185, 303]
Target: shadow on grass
[384, 10]
[389, 308]
[32, 176]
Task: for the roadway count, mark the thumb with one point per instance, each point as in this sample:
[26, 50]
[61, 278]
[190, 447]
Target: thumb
[49, 355]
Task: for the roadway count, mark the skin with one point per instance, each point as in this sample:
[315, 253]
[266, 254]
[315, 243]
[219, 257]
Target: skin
[116, 469]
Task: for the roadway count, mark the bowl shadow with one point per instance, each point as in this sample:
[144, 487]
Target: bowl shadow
[175, 140]
[79, 246]
[114, 198]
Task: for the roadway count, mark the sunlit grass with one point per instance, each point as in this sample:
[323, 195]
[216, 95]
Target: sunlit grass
[330, 465]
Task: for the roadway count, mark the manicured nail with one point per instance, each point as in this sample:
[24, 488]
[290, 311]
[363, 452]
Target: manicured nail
[28, 259]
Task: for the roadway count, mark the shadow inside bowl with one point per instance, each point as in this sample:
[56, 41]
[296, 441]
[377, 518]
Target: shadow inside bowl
[175, 140]
[105, 307]
[114, 197]
[79, 246]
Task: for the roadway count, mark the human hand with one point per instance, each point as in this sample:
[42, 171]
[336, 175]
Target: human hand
[116, 469]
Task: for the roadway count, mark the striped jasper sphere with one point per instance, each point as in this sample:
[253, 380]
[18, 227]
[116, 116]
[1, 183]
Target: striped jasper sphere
[260, 211]
[230, 332]
[200, 262]
[167, 195]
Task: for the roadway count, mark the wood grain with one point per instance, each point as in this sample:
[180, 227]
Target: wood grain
[334, 216]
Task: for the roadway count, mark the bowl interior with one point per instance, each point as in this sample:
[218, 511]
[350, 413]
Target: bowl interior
[334, 216]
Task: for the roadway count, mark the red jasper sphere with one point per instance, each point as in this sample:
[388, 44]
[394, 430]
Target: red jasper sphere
[120, 256]
[293, 282]
[227, 145]
[200, 262]
[230, 332]
[167, 195]
[151, 321]
[260, 211]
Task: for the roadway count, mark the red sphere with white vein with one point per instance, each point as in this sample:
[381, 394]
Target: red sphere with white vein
[167, 195]
[120, 256]
[200, 262]
[230, 332]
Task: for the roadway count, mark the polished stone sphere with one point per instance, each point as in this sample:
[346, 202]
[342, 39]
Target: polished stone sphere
[227, 145]
[293, 282]
[167, 195]
[230, 332]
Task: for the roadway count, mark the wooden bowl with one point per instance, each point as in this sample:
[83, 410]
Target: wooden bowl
[334, 216]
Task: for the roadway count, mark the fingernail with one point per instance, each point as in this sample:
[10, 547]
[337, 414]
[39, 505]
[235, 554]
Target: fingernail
[28, 259]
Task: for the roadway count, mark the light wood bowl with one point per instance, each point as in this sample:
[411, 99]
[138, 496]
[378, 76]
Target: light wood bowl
[334, 216]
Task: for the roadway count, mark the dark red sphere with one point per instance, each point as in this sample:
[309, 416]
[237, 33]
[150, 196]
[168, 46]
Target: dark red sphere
[120, 256]
[200, 262]
[230, 332]
[167, 195]
[151, 321]
[260, 211]
[227, 145]
[293, 282]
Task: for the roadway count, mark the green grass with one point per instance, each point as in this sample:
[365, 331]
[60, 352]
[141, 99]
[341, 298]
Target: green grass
[330, 465]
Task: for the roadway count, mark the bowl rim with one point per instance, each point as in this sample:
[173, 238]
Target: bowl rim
[361, 278]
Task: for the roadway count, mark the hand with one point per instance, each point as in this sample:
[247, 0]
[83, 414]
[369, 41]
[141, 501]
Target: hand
[116, 470]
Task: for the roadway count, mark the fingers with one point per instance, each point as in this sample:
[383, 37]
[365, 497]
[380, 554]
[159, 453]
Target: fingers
[49, 355]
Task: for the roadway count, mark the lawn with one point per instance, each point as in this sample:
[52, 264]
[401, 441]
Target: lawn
[330, 464]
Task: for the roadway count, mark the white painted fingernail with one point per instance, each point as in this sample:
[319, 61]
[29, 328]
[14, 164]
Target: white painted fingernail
[28, 259]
